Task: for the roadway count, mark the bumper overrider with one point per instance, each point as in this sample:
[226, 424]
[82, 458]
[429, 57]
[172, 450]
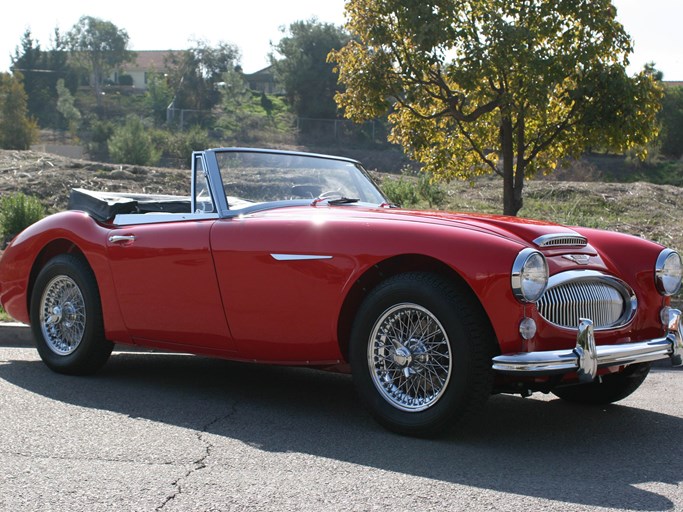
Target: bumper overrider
[587, 357]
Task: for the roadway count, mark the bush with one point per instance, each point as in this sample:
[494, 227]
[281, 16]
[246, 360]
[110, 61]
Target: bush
[409, 190]
[430, 190]
[17, 212]
[402, 191]
[132, 144]
[180, 145]
[98, 144]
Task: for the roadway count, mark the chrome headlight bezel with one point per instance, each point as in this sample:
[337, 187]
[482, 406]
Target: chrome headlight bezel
[668, 272]
[529, 277]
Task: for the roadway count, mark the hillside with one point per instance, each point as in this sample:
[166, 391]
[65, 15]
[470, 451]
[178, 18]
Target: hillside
[642, 209]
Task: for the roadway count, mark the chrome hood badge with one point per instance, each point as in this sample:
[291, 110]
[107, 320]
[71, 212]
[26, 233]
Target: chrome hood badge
[579, 259]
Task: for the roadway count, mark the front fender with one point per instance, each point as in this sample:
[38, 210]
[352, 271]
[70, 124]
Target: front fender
[65, 232]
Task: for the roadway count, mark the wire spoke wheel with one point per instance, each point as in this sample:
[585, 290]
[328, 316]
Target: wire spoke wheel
[62, 315]
[409, 357]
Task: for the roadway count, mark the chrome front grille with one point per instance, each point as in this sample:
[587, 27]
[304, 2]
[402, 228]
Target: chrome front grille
[608, 302]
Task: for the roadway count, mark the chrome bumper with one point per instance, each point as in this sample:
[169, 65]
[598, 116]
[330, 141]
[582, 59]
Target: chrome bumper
[586, 357]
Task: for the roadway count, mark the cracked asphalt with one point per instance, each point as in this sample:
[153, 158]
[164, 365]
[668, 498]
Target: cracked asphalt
[155, 432]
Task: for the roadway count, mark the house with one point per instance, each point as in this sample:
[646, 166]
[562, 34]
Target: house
[264, 81]
[144, 66]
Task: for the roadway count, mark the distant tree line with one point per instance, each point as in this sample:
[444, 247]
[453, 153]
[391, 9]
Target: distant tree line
[204, 83]
[206, 88]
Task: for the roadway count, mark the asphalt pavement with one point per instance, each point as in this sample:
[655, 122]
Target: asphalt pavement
[174, 432]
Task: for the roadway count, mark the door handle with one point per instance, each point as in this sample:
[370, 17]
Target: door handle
[116, 239]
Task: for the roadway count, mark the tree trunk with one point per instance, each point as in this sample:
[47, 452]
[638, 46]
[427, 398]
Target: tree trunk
[512, 182]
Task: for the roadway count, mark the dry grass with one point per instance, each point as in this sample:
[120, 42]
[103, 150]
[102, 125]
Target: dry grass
[642, 209]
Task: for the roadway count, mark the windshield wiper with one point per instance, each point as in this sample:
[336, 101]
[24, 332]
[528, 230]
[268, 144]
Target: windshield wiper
[343, 200]
[334, 200]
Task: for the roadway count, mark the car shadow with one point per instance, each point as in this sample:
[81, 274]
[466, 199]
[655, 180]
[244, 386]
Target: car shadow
[546, 449]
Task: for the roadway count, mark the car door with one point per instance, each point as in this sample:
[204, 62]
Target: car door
[166, 283]
[281, 283]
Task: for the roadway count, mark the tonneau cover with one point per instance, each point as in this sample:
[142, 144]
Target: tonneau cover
[104, 206]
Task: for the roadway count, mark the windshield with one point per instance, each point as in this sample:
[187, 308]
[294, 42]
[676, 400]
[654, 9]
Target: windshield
[256, 177]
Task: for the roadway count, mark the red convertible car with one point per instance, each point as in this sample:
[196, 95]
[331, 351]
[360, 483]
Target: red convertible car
[299, 259]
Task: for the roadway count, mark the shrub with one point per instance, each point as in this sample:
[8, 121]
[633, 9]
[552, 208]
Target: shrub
[17, 212]
[180, 145]
[98, 145]
[408, 190]
[430, 190]
[132, 144]
[402, 191]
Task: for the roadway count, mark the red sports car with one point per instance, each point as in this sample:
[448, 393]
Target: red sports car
[299, 259]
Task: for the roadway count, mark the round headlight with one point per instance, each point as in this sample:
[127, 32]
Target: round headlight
[529, 275]
[668, 272]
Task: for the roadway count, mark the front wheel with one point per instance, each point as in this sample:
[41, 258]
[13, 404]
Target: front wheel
[66, 317]
[610, 388]
[420, 354]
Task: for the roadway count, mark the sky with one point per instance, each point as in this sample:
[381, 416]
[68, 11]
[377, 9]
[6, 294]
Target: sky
[655, 26]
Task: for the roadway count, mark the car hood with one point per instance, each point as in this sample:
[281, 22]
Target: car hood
[524, 231]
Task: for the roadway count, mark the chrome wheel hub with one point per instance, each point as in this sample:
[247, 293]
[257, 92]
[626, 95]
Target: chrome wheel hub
[62, 315]
[409, 357]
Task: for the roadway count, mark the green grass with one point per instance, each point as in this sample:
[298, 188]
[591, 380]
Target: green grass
[4, 317]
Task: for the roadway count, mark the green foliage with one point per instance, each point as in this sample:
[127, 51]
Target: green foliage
[180, 145]
[132, 144]
[671, 117]
[17, 212]
[158, 97]
[197, 72]
[411, 190]
[17, 130]
[125, 80]
[66, 107]
[493, 86]
[430, 190]
[42, 69]
[98, 46]
[401, 191]
[248, 115]
[308, 79]
[98, 143]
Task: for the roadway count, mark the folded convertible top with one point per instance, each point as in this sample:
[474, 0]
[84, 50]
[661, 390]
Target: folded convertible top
[104, 206]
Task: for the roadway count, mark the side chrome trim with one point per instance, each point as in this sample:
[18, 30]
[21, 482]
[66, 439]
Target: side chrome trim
[300, 257]
[586, 357]
[571, 239]
[133, 219]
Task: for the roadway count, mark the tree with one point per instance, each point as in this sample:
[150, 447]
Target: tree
[42, 70]
[158, 97]
[17, 130]
[308, 79]
[481, 86]
[66, 107]
[671, 117]
[100, 47]
[247, 115]
[196, 73]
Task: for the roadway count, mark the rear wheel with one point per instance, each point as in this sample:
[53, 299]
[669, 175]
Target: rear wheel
[611, 388]
[66, 317]
[420, 354]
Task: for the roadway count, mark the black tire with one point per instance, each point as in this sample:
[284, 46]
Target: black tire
[66, 317]
[612, 388]
[438, 370]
